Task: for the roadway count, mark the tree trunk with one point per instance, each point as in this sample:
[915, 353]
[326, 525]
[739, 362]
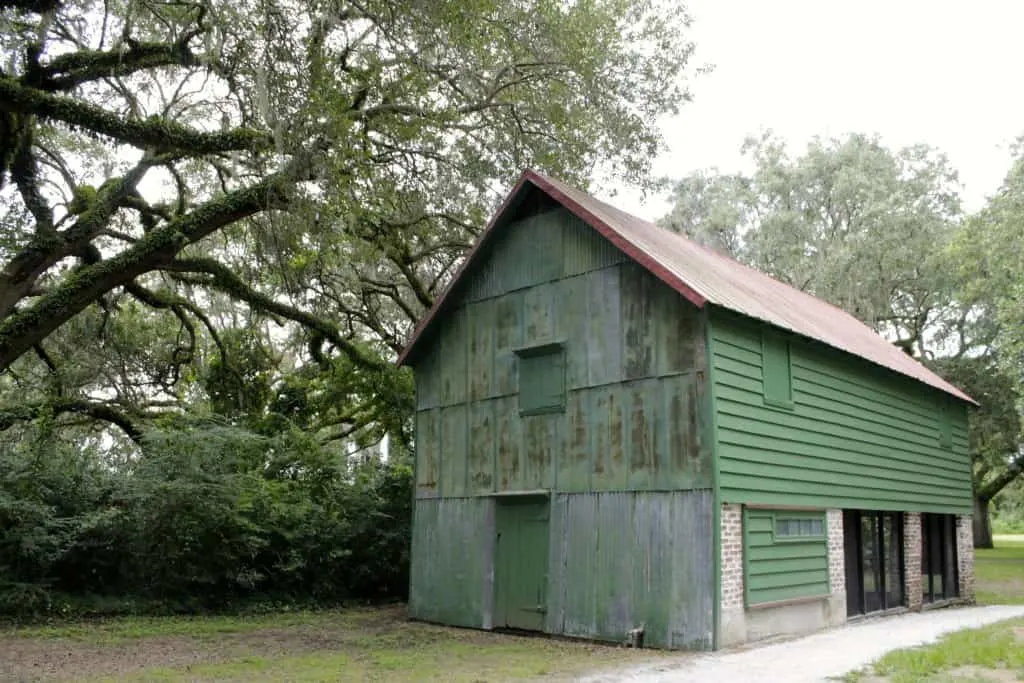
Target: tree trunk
[982, 524]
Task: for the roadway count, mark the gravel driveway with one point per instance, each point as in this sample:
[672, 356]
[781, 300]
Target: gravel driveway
[814, 658]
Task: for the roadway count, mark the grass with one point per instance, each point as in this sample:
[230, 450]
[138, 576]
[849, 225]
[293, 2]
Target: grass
[336, 645]
[992, 653]
[120, 630]
[999, 572]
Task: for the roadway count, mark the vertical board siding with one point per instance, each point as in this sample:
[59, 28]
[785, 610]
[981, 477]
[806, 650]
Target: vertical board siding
[785, 569]
[452, 561]
[635, 373]
[622, 560]
[855, 436]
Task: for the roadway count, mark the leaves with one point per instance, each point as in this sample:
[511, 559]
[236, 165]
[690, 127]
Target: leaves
[311, 172]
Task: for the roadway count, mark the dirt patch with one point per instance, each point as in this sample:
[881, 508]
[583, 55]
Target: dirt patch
[1018, 633]
[63, 659]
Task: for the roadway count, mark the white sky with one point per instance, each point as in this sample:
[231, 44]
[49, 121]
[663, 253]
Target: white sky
[949, 74]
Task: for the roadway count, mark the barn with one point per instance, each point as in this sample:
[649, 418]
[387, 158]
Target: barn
[622, 434]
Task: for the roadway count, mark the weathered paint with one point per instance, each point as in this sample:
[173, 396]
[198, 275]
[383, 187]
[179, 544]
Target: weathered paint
[621, 560]
[452, 570]
[615, 561]
[635, 381]
[777, 570]
[856, 436]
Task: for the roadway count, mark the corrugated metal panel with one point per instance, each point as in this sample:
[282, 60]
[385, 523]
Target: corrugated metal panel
[619, 560]
[851, 439]
[452, 571]
[704, 276]
[584, 249]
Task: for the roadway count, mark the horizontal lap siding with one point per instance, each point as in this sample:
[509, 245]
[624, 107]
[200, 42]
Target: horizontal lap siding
[782, 570]
[856, 437]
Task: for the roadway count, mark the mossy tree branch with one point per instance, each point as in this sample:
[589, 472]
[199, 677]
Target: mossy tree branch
[216, 276]
[24, 328]
[73, 69]
[12, 415]
[153, 133]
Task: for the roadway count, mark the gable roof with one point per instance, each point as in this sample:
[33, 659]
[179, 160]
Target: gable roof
[704, 276]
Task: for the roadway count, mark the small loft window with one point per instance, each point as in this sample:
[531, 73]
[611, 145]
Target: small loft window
[541, 379]
[777, 370]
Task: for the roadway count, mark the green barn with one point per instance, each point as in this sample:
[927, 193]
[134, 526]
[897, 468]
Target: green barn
[623, 435]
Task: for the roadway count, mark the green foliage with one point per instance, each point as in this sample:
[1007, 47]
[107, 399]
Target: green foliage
[849, 220]
[209, 516]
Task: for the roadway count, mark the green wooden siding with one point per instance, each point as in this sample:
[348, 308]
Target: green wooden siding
[633, 374]
[854, 436]
[778, 568]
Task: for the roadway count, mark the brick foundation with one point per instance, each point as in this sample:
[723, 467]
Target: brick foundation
[836, 560]
[965, 555]
[912, 559]
[732, 557]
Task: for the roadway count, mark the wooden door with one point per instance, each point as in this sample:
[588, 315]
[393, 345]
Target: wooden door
[521, 564]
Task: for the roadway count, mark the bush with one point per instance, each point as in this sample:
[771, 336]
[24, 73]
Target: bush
[209, 517]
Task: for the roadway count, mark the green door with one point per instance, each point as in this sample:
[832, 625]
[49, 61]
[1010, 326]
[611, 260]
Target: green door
[521, 564]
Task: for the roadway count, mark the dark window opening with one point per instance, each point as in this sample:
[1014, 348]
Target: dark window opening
[939, 575]
[541, 379]
[873, 544]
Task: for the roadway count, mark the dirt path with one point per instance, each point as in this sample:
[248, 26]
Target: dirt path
[814, 658]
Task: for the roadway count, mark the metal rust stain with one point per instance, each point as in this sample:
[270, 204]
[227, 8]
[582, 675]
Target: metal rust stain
[427, 448]
[481, 351]
[482, 448]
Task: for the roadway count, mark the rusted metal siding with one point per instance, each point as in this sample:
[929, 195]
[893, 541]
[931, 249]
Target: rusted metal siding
[635, 376]
[452, 570]
[619, 560]
[627, 461]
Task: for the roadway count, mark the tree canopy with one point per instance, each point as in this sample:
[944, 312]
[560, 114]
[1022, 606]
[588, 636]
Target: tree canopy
[200, 197]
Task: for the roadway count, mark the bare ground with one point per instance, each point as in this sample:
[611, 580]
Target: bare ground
[65, 659]
[376, 644]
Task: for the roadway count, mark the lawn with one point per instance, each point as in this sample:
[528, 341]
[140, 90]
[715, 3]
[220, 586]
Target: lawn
[994, 653]
[999, 573]
[351, 645]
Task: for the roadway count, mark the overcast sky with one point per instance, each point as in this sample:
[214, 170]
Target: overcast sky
[945, 73]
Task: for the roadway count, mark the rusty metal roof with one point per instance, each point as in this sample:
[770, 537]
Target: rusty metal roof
[704, 276]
